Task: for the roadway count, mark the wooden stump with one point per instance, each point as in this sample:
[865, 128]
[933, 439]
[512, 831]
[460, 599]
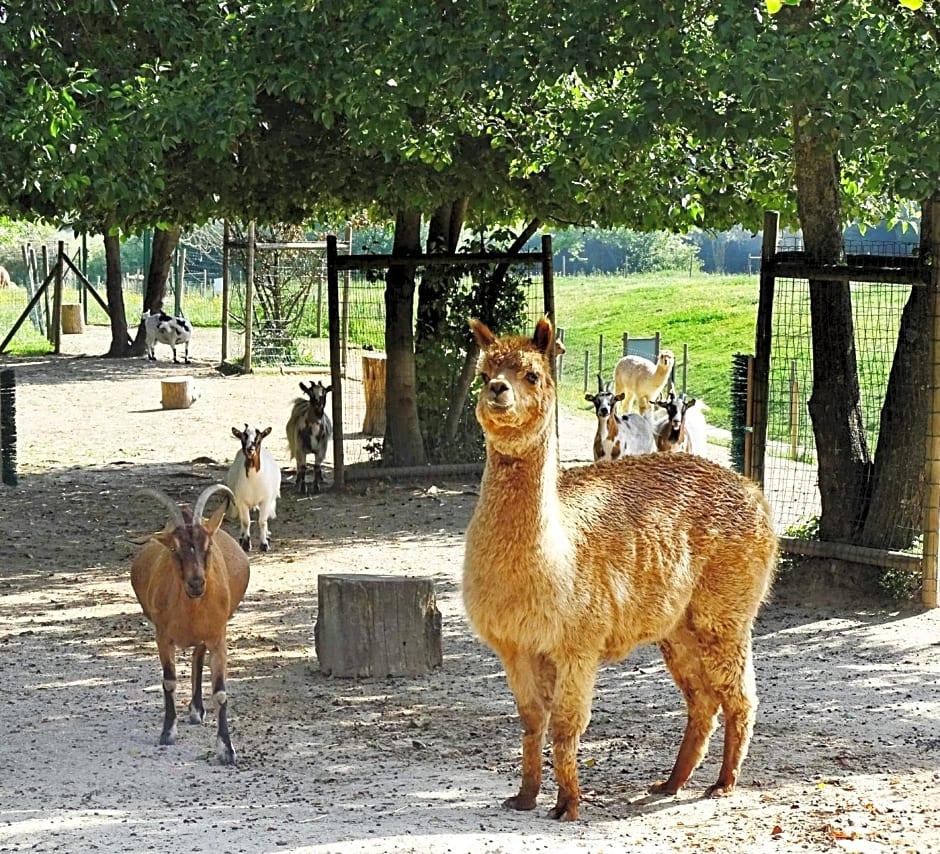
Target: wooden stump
[72, 322]
[377, 626]
[373, 386]
[178, 392]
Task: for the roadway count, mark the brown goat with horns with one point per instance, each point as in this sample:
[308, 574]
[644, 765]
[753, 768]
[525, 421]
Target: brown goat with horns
[189, 578]
[564, 570]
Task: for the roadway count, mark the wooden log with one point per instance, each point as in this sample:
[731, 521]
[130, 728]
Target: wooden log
[178, 392]
[373, 386]
[72, 322]
[377, 626]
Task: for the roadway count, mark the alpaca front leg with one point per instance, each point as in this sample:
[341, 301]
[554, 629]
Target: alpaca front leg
[532, 680]
[571, 713]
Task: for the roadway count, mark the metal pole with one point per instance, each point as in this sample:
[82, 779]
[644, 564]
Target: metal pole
[336, 368]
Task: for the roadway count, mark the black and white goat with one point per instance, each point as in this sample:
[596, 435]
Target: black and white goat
[166, 329]
[684, 428]
[618, 435]
[255, 480]
[309, 430]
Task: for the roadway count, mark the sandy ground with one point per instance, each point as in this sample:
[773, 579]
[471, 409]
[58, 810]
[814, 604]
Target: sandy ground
[844, 757]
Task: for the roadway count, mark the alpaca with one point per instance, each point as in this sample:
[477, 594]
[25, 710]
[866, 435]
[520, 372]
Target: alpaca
[566, 569]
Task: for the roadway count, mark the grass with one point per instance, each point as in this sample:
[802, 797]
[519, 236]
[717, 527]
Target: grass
[714, 315]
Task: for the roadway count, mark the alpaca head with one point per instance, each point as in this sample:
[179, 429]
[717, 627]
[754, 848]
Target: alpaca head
[517, 400]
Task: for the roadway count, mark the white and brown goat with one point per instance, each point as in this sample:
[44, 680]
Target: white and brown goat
[684, 428]
[255, 480]
[189, 578]
[309, 430]
[566, 569]
[618, 435]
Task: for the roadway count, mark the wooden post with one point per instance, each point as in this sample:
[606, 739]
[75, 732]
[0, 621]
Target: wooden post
[931, 560]
[762, 340]
[377, 626]
[226, 234]
[178, 392]
[72, 323]
[249, 297]
[56, 322]
[373, 387]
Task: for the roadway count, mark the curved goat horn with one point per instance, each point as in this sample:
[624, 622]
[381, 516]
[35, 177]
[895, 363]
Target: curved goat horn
[205, 495]
[175, 513]
[600, 383]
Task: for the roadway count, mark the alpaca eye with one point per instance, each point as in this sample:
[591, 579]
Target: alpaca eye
[532, 378]
[485, 378]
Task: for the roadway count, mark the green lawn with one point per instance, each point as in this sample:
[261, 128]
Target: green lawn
[714, 315]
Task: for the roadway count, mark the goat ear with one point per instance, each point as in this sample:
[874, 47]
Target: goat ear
[543, 338]
[215, 521]
[327, 390]
[482, 334]
[559, 348]
[304, 388]
[620, 396]
[264, 433]
[236, 433]
[589, 397]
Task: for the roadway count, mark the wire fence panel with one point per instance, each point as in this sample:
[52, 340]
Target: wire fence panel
[790, 463]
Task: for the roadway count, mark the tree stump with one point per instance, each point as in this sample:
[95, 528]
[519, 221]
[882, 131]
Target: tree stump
[373, 386]
[72, 322]
[377, 626]
[178, 392]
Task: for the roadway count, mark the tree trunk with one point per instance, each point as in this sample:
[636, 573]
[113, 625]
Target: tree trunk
[464, 383]
[115, 295]
[895, 514]
[434, 340]
[165, 242]
[403, 445]
[164, 245]
[835, 405]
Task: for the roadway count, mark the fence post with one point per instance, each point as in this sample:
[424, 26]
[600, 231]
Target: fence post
[931, 559]
[8, 426]
[762, 339]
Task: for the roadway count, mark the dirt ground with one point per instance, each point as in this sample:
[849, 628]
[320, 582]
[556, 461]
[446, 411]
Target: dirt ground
[845, 755]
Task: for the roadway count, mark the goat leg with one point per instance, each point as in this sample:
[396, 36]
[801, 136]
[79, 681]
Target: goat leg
[168, 661]
[223, 742]
[197, 711]
[301, 478]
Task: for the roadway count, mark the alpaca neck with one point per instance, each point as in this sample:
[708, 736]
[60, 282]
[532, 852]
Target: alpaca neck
[524, 478]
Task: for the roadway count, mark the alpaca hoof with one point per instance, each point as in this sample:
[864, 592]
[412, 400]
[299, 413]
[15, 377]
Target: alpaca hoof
[719, 791]
[519, 802]
[663, 788]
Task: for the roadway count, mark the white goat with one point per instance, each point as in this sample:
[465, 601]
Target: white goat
[166, 329]
[684, 428]
[189, 579]
[309, 430]
[255, 479]
[641, 380]
[618, 435]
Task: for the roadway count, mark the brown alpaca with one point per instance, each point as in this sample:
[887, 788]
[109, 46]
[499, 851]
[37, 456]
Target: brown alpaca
[566, 569]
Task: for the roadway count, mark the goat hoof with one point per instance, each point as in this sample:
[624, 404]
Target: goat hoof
[168, 736]
[225, 753]
[245, 544]
[265, 547]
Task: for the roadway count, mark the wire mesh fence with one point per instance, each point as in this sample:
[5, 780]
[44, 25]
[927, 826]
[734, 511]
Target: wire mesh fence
[790, 462]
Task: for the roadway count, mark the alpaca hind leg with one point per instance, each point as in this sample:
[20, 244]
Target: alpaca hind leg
[682, 656]
[571, 713]
[733, 676]
[531, 678]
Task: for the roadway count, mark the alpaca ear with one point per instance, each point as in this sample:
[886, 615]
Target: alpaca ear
[544, 336]
[481, 332]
